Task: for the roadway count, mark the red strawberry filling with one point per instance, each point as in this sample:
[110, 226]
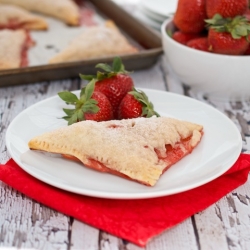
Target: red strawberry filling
[173, 155]
[12, 24]
[24, 51]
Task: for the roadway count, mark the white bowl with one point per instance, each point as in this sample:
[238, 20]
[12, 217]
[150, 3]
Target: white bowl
[219, 76]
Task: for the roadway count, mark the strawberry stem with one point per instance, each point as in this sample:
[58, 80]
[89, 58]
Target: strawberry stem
[85, 104]
[147, 106]
[117, 67]
[238, 26]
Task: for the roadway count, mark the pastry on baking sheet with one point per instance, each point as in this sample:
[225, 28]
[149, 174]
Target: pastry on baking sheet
[14, 17]
[95, 42]
[139, 149]
[66, 10]
[13, 48]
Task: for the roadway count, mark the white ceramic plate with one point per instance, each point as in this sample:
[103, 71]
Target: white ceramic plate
[160, 8]
[216, 153]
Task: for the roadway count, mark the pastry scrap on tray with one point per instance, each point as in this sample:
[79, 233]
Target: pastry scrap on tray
[139, 149]
[65, 10]
[13, 48]
[97, 41]
[14, 17]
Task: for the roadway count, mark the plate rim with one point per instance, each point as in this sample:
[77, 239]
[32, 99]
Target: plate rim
[109, 195]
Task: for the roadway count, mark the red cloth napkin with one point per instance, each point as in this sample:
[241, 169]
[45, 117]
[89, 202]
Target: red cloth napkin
[134, 220]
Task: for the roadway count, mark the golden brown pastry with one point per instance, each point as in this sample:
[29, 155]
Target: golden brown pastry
[65, 10]
[13, 48]
[139, 149]
[95, 42]
[14, 17]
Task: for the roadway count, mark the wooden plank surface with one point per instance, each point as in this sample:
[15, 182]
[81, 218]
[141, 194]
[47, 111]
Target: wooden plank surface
[26, 224]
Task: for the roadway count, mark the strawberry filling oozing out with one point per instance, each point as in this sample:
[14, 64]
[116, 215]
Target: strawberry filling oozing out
[173, 155]
[13, 24]
[24, 51]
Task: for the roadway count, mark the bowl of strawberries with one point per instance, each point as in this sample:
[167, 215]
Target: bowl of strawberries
[207, 45]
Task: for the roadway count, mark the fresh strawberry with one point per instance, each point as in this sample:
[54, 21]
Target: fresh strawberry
[200, 43]
[182, 37]
[224, 43]
[114, 82]
[136, 104]
[189, 16]
[226, 8]
[247, 52]
[228, 35]
[92, 105]
[105, 112]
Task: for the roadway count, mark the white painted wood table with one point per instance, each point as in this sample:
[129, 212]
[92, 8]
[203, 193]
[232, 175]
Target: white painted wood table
[26, 224]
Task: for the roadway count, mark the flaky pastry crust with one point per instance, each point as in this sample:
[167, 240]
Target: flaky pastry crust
[125, 146]
[15, 16]
[65, 10]
[11, 45]
[95, 42]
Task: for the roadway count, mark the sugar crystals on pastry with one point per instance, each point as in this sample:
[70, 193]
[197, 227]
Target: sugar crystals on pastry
[13, 48]
[139, 149]
[96, 42]
[65, 10]
[14, 17]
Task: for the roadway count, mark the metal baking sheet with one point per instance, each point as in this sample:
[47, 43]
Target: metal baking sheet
[148, 40]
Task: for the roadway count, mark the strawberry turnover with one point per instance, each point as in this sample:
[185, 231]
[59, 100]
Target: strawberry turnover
[14, 45]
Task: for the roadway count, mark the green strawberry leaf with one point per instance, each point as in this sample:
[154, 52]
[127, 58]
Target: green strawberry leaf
[117, 65]
[66, 118]
[72, 119]
[82, 93]
[101, 75]
[69, 112]
[108, 71]
[68, 97]
[87, 77]
[90, 108]
[147, 106]
[80, 116]
[104, 67]
[83, 105]
[238, 26]
[89, 89]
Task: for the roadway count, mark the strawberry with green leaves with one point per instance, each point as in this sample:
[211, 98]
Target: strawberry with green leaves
[228, 35]
[113, 81]
[92, 105]
[136, 104]
[226, 8]
[189, 16]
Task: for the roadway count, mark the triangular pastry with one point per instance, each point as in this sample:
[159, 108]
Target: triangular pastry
[14, 17]
[139, 149]
[13, 48]
[65, 10]
[95, 42]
